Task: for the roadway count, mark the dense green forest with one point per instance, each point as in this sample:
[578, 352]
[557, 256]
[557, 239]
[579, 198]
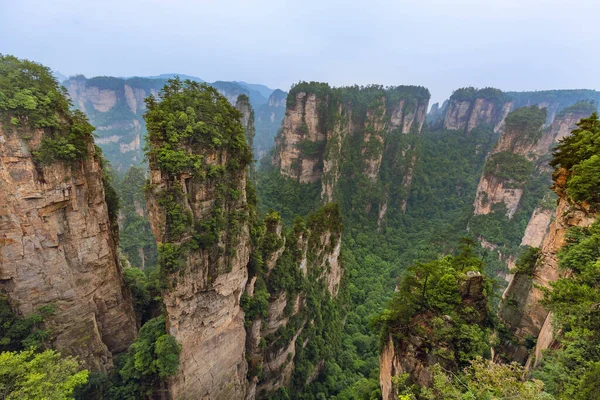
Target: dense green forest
[400, 278]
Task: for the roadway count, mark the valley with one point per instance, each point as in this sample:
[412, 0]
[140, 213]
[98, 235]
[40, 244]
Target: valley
[188, 240]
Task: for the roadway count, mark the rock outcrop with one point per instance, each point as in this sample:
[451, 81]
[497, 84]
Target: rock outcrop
[58, 248]
[520, 309]
[289, 319]
[242, 104]
[268, 121]
[512, 162]
[416, 351]
[469, 108]
[327, 131]
[200, 218]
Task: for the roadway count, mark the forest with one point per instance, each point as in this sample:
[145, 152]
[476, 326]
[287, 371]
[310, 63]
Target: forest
[418, 279]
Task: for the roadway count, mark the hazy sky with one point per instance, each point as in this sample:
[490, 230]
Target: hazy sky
[440, 44]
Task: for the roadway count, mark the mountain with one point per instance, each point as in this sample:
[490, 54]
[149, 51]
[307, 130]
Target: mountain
[262, 89]
[248, 287]
[116, 107]
[59, 77]
[377, 251]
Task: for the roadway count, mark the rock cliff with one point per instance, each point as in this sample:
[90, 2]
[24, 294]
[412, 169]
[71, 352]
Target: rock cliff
[242, 104]
[422, 345]
[512, 162]
[199, 215]
[520, 310]
[470, 107]
[58, 240]
[295, 314]
[353, 139]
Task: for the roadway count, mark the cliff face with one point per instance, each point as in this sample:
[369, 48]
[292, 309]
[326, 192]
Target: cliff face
[57, 248]
[268, 122]
[469, 108]
[365, 137]
[520, 309]
[414, 353]
[289, 322]
[199, 215]
[519, 160]
[513, 159]
[242, 104]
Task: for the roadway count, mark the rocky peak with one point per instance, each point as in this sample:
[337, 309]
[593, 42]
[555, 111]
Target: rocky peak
[277, 98]
[242, 104]
[310, 253]
[469, 108]
[372, 128]
[199, 214]
[418, 348]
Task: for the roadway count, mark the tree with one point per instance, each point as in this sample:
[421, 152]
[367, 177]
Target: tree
[484, 380]
[43, 376]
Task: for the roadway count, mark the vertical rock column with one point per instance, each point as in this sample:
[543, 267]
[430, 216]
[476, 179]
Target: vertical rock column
[57, 248]
[200, 218]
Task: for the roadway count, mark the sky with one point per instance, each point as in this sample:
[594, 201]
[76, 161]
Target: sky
[439, 44]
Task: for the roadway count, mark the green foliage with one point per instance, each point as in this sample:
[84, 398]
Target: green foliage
[137, 282]
[513, 168]
[527, 261]
[310, 149]
[578, 154]
[30, 98]
[583, 107]
[136, 238]
[169, 258]
[30, 375]
[256, 306]
[152, 357]
[584, 181]
[471, 94]
[429, 291]
[526, 122]
[17, 333]
[484, 380]
[285, 195]
[190, 118]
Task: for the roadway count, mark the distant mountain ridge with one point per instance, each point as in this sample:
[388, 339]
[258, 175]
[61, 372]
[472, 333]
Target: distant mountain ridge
[115, 106]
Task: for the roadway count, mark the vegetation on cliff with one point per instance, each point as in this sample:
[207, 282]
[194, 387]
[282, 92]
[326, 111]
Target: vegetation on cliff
[442, 306]
[578, 155]
[571, 371]
[30, 98]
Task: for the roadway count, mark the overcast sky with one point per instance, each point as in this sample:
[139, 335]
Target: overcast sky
[440, 44]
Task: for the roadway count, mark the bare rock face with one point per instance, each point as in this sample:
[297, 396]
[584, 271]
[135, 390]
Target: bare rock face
[202, 302]
[57, 248]
[466, 114]
[414, 354]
